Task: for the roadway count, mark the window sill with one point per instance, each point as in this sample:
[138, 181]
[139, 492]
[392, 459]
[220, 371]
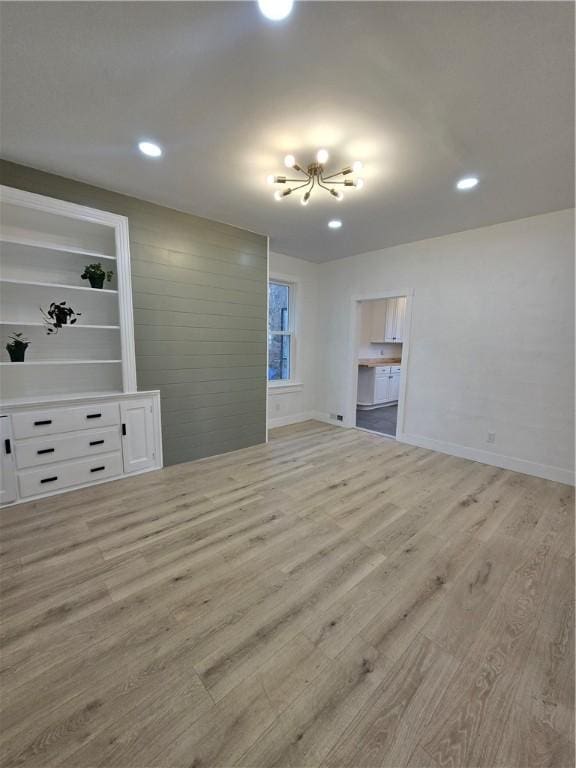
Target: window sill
[283, 387]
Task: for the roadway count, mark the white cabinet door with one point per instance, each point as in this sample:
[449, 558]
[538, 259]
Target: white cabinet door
[381, 389]
[378, 321]
[8, 492]
[400, 318]
[137, 435]
[394, 386]
[390, 328]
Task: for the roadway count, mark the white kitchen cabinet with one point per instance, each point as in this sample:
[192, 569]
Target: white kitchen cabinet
[387, 320]
[399, 318]
[393, 386]
[138, 447]
[8, 485]
[381, 389]
[378, 385]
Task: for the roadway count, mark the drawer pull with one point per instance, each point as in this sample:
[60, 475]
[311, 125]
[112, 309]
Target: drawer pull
[93, 415]
[97, 469]
[49, 479]
[7, 446]
[45, 450]
[96, 442]
[42, 423]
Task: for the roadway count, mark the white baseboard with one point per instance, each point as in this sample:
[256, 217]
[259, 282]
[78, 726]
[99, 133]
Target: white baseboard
[558, 474]
[284, 421]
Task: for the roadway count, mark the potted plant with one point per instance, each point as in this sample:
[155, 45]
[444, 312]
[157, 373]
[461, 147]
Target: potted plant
[96, 275]
[57, 315]
[17, 347]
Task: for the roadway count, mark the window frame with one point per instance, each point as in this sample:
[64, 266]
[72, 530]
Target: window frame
[291, 284]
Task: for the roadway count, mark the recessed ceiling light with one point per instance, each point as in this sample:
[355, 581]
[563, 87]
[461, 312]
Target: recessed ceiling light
[150, 149]
[468, 182]
[275, 10]
[335, 224]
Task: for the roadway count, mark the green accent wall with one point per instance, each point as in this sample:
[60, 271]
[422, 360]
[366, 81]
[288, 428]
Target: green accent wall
[200, 295]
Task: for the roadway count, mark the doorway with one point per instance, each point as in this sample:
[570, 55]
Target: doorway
[381, 333]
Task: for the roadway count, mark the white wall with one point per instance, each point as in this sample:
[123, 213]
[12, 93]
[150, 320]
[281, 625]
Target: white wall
[491, 346]
[290, 404]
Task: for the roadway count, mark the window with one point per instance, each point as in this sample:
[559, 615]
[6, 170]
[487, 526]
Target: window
[280, 331]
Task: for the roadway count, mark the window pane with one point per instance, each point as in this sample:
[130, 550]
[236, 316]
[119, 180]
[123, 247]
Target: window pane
[278, 303]
[278, 357]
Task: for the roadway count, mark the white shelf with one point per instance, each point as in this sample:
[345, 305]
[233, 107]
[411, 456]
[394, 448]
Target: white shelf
[59, 362]
[49, 246]
[30, 324]
[57, 285]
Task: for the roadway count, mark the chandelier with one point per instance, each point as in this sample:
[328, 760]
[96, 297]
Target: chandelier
[315, 176]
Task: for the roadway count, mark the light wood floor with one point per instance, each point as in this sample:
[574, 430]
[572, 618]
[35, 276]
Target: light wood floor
[330, 599]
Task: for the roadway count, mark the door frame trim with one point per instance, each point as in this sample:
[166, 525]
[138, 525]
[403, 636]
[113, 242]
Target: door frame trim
[352, 353]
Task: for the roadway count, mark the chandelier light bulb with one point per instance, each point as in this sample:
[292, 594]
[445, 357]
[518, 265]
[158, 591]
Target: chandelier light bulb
[305, 198]
[289, 161]
[359, 183]
[278, 195]
[287, 192]
[357, 166]
[271, 179]
[322, 156]
[338, 195]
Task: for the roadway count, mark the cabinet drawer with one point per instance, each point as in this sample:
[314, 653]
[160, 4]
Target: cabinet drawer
[382, 370]
[34, 482]
[54, 420]
[395, 369]
[46, 450]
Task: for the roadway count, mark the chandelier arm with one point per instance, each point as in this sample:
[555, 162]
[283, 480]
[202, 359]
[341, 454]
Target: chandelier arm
[295, 189]
[332, 176]
[322, 185]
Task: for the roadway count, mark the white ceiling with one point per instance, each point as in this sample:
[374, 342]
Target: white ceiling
[422, 93]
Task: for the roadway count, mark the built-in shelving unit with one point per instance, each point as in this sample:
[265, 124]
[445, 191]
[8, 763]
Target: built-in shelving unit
[71, 414]
[45, 245]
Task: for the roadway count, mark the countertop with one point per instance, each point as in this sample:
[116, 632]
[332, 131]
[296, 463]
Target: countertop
[372, 362]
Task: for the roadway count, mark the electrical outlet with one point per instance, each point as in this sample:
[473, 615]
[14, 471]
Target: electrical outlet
[339, 417]
[491, 437]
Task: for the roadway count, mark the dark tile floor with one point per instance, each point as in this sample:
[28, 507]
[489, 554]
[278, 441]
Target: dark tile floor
[381, 420]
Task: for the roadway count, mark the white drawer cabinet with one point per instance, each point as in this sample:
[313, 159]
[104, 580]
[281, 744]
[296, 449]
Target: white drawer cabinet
[54, 477]
[36, 452]
[49, 449]
[51, 421]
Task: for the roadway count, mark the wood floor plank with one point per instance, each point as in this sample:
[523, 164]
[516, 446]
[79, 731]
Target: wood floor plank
[327, 599]
[396, 715]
